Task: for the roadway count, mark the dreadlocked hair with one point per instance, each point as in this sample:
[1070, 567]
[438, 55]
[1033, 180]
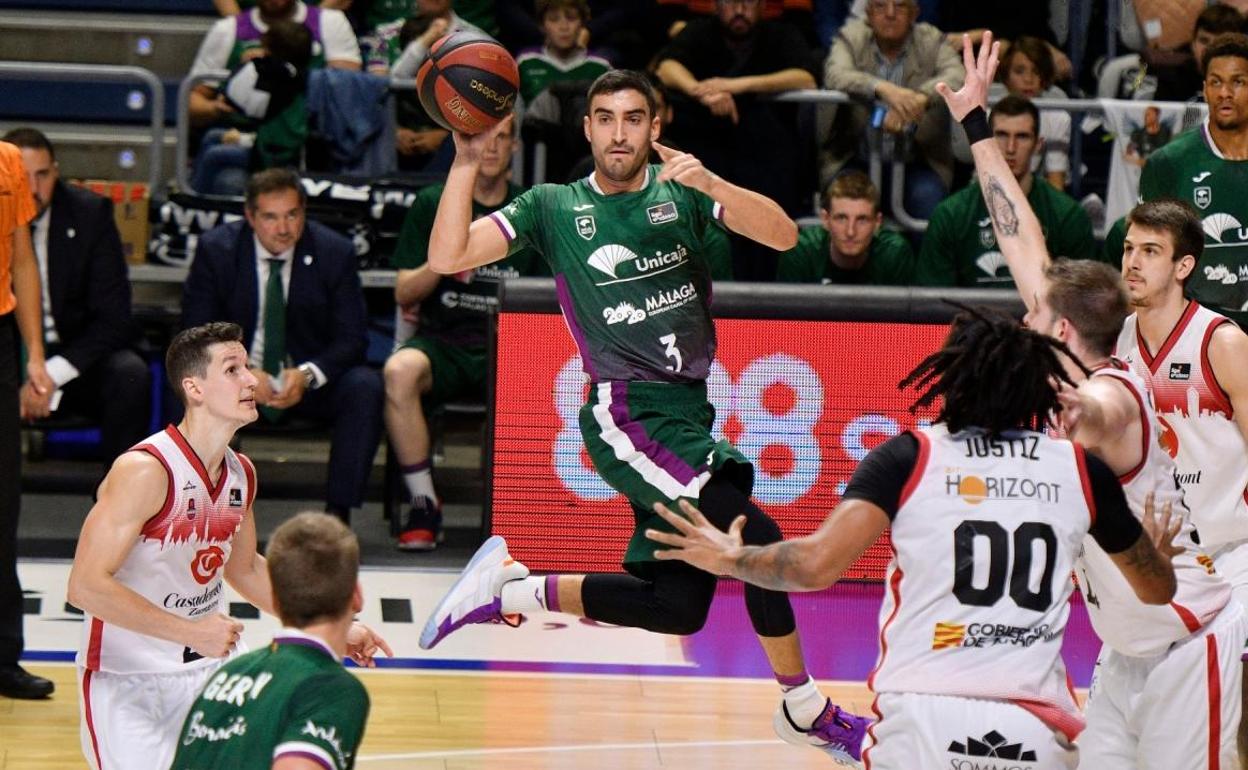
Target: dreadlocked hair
[993, 374]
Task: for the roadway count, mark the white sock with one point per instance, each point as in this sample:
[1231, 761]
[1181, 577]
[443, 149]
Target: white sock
[420, 484]
[525, 595]
[805, 703]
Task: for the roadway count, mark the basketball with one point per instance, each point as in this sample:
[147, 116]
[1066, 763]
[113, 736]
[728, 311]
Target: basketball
[468, 83]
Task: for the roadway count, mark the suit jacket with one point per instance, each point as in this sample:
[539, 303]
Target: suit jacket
[88, 285]
[851, 67]
[325, 316]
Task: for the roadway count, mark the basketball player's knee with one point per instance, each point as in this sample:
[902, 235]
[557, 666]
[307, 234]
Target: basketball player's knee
[681, 618]
[403, 372]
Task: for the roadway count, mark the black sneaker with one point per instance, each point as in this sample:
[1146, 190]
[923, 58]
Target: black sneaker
[422, 527]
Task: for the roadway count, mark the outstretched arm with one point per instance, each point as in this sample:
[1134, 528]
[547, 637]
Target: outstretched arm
[751, 214]
[1017, 229]
[457, 243]
[805, 564]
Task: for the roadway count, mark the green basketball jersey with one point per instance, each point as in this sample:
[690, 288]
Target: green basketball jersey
[290, 698]
[1192, 169]
[632, 280]
[539, 68]
[457, 310]
[890, 261]
[960, 247]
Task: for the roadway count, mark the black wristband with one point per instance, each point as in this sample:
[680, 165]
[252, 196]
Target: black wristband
[975, 124]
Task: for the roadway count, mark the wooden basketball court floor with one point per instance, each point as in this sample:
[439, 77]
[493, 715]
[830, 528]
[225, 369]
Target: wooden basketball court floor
[554, 693]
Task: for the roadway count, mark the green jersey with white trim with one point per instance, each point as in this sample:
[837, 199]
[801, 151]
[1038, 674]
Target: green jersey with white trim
[633, 282]
[1192, 169]
[291, 698]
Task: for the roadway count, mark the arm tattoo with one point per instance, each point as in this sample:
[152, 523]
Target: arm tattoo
[1001, 208]
[1143, 557]
[776, 566]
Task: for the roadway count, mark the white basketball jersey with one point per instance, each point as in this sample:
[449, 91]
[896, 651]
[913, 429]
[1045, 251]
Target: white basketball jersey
[178, 559]
[985, 537]
[1197, 423]
[1120, 619]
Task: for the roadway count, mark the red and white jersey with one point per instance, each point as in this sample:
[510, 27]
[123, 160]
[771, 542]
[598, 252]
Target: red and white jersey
[985, 536]
[1120, 619]
[178, 560]
[1197, 423]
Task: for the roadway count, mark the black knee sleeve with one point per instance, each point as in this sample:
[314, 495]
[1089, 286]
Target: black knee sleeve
[675, 598]
[721, 501]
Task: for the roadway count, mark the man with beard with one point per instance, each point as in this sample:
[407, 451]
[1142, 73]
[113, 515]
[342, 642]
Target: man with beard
[1191, 360]
[625, 245]
[849, 247]
[721, 72]
[1205, 167]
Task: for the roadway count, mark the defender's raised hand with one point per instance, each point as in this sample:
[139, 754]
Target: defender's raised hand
[981, 68]
[700, 542]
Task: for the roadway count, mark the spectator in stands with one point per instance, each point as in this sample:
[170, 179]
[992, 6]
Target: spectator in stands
[673, 15]
[268, 96]
[88, 332]
[562, 56]
[293, 287]
[1183, 80]
[720, 72]
[234, 7]
[445, 360]
[623, 31]
[891, 60]
[850, 247]
[423, 145]
[1008, 22]
[959, 248]
[19, 313]
[1205, 167]
[1027, 70]
[235, 39]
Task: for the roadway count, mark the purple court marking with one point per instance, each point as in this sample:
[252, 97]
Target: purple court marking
[839, 637]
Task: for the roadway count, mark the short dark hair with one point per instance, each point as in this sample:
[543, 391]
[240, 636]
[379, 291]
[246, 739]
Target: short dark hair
[546, 6]
[1092, 297]
[1011, 107]
[852, 184]
[273, 180]
[290, 42]
[613, 81]
[992, 374]
[1220, 19]
[188, 354]
[1038, 52]
[314, 562]
[1176, 218]
[30, 139]
[1227, 44]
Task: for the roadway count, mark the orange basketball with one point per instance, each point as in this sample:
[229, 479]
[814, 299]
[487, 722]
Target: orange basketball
[468, 83]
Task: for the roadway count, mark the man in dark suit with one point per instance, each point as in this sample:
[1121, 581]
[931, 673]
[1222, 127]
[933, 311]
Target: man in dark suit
[293, 287]
[88, 330]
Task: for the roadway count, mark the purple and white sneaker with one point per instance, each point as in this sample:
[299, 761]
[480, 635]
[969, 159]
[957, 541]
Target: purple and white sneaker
[837, 733]
[477, 596]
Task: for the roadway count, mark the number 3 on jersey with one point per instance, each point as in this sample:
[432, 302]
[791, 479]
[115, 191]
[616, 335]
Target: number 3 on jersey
[998, 545]
[671, 352]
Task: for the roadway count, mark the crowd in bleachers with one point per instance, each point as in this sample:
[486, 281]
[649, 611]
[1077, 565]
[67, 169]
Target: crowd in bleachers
[325, 89]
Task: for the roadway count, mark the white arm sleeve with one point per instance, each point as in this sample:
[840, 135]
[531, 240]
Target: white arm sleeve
[214, 52]
[338, 38]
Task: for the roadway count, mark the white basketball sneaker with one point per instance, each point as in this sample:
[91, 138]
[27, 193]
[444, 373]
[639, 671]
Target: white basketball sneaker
[477, 595]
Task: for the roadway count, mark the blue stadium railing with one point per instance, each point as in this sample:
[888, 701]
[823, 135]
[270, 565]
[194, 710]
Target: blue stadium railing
[119, 76]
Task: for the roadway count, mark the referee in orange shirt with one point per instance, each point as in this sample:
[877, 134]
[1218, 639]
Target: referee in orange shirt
[20, 312]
